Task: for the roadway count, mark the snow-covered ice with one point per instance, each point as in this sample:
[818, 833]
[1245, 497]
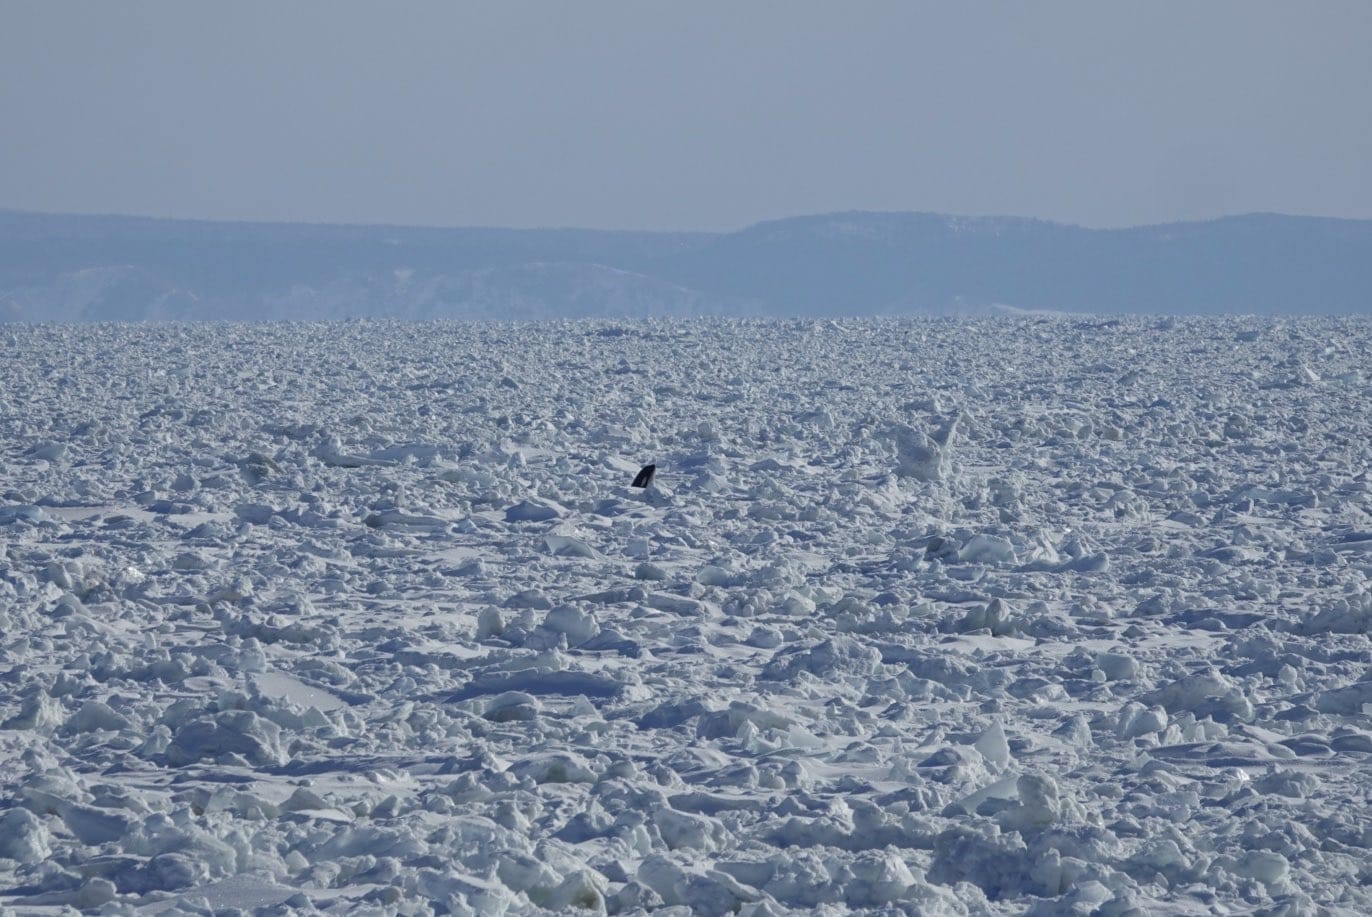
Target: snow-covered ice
[1033, 615]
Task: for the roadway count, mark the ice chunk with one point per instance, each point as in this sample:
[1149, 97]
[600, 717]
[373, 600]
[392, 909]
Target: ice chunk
[511, 705]
[993, 746]
[583, 889]
[1204, 694]
[675, 604]
[1005, 788]
[1136, 720]
[918, 456]
[392, 518]
[529, 598]
[330, 452]
[95, 893]
[713, 894]
[489, 623]
[23, 837]
[880, 878]
[1039, 804]
[95, 715]
[1349, 699]
[714, 575]
[568, 546]
[421, 453]
[40, 712]
[540, 683]
[93, 825]
[554, 767]
[532, 511]
[1267, 866]
[987, 549]
[577, 624]
[31, 514]
[232, 733]
[303, 800]
[839, 655]
[1117, 666]
[684, 830]
[255, 513]
[999, 864]
[993, 616]
[650, 572]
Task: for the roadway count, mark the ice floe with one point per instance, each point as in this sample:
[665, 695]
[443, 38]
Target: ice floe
[1034, 615]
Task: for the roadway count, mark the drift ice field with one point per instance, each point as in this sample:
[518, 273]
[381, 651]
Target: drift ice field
[1022, 616]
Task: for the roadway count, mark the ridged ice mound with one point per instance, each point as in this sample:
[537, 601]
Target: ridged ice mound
[1038, 616]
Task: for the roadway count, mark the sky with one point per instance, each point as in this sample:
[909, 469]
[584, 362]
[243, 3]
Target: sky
[703, 115]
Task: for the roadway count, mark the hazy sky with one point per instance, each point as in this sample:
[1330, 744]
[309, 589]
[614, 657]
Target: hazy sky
[698, 115]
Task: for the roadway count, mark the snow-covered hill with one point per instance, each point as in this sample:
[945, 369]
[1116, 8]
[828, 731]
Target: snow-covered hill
[76, 268]
[1024, 616]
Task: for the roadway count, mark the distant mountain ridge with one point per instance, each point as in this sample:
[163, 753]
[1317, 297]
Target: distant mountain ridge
[99, 268]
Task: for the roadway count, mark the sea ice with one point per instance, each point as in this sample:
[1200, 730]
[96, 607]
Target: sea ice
[1035, 615]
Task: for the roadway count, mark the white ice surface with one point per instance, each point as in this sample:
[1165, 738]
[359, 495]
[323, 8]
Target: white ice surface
[1028, 615]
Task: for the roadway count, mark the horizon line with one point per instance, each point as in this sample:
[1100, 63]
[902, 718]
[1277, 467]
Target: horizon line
[25, 212]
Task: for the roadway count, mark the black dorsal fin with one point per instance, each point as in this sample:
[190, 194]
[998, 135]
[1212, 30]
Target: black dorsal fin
[645, 476]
